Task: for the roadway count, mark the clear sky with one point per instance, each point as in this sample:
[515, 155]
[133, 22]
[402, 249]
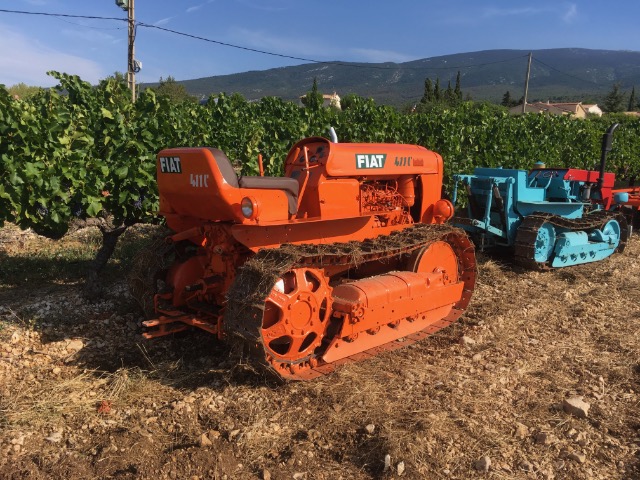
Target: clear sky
[345, 30]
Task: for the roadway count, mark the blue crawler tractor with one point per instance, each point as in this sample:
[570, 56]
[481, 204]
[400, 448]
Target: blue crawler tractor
[549, 217]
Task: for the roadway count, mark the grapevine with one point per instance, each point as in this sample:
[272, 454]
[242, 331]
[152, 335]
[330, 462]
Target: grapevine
[83, 151]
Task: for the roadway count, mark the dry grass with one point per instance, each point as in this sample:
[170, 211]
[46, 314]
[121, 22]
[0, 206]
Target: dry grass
[47, 402]
[437, 406]
[40, 400]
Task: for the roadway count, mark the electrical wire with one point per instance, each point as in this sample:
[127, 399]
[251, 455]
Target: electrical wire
[196, 37]
[45, 14]
[90, 26]
[263, 52]
[281, 55]
[310, 60]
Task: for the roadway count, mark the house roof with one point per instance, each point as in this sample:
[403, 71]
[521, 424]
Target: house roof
[569, 107]
[539, 107]
[562, 108]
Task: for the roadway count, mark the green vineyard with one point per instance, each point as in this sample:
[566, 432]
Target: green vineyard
[79, 150]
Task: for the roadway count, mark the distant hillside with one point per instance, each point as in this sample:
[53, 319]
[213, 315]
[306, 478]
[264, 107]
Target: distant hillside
[556, 74]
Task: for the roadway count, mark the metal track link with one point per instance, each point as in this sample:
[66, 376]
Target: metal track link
[528, 232]
[246, 299]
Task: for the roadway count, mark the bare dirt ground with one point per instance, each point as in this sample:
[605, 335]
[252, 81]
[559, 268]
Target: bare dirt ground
[82, 395]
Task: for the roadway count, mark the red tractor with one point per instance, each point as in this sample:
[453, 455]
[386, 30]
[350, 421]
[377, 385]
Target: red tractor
[628, 202]
[337, 261]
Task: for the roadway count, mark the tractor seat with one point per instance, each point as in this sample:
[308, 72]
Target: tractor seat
[288, 185]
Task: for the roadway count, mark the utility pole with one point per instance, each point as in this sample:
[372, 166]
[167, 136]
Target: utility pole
[526, 85]
[132, 65]
[131, 72]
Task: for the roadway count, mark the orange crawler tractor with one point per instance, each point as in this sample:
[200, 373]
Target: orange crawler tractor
[343, 258]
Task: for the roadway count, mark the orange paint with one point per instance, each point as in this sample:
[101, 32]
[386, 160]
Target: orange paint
[314, 317]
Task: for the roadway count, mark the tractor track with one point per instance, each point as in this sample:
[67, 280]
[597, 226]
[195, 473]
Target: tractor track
[527, 233]
[246, 299]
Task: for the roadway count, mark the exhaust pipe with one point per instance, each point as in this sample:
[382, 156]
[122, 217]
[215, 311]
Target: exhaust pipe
[334, 136]
[607, 140]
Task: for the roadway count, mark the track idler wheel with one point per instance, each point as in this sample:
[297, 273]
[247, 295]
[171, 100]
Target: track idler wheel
[454, 254]
[296, 314]
[439, 256]
[618, 225]
[545, 243]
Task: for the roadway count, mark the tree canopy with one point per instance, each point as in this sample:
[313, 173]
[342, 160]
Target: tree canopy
[23, 91]
[174, 91]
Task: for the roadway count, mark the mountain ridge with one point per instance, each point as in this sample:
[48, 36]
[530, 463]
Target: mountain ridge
[557, 74]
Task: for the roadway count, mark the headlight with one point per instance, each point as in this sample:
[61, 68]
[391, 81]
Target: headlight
[442, 210]
[249, 207]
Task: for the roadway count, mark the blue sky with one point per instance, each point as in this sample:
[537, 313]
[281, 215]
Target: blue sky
[346, 30]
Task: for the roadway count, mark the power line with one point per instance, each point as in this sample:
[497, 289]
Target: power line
[310, 60]
[45, 14]
[262, 52]
[90, 26]
[196, 37]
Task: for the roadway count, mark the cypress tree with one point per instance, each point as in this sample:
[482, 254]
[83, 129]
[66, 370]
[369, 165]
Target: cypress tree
[506, 99]
[448, 94]
[313, 100]
[437, 93]
[632, 100]
[427, 96]
[458, 90]
[614, 100]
